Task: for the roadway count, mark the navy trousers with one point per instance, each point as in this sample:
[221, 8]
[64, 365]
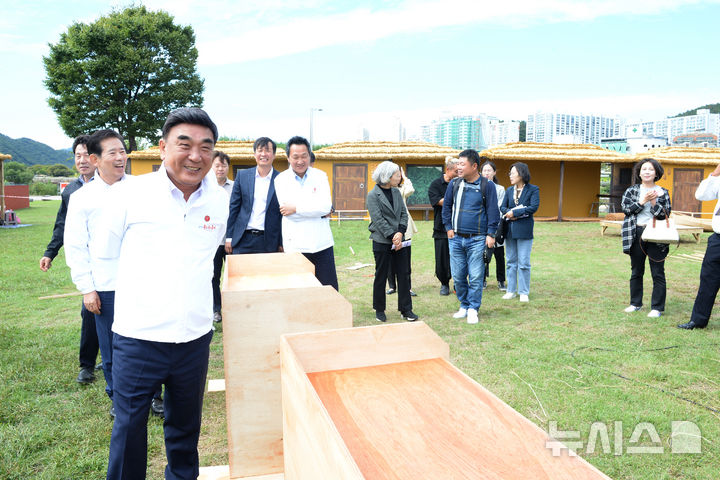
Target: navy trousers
[324, 262]
[139, 369]
[217, 271]
[709, 282]
[88, 339]
[103, 324]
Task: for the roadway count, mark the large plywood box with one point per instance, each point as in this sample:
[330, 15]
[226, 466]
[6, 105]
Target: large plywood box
[384, 402]
[265, 296]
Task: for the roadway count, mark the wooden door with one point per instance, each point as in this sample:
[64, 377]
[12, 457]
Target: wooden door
[685, 182]
[349, 186]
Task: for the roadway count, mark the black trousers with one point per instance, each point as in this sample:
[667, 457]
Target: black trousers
[499, 254]
[709, 282]
[89, 345]
[655, 251]
[384, 257]
[392, 276]
[442, 261]
[324, 262]
[217, 271]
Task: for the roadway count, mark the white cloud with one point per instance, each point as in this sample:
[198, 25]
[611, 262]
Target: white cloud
[269, 36]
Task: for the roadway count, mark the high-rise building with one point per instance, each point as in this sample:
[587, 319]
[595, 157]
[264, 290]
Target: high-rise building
[670, 128]
[568, 128]
[500, 132]
[459, 132]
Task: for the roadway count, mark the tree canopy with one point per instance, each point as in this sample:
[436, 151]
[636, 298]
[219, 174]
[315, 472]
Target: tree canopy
[126, 71]
[16, 172]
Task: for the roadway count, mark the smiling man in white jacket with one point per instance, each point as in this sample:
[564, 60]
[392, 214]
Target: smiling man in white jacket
[304, 196]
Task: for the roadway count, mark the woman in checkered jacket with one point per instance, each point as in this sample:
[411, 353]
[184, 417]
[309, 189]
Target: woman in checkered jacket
[640, 203]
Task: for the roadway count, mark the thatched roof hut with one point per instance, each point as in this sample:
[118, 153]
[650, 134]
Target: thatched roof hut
[398, 152]
[568, 175]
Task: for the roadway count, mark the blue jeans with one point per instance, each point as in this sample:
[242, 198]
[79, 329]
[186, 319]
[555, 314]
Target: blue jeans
[466, 263]
[103, 324]
[517, 252]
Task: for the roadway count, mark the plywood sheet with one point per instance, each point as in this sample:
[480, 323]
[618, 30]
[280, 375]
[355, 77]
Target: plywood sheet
[265, 296]
[426, 419]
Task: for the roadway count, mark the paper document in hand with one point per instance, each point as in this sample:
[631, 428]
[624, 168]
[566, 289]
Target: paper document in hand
[404, 244]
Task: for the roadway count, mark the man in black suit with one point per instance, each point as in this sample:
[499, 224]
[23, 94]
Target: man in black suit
[88, 333]
[254, 222]
[436, 194]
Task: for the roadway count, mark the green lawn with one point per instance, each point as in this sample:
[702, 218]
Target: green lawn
[559, 358]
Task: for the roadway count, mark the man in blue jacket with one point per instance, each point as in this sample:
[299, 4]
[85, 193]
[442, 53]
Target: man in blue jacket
[254, 223]
[470, 226]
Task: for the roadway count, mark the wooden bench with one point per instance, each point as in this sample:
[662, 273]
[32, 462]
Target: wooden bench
[694, 231]
[426, 209]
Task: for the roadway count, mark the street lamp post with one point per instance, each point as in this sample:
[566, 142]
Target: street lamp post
[312, 123]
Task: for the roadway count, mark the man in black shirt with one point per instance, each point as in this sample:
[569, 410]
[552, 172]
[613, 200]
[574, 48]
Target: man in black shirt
[436, 193]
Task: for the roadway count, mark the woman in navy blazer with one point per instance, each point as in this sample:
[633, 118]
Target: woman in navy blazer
[521, 201]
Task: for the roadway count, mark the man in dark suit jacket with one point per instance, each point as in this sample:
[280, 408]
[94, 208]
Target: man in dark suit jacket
[255, 222]
[88, 334]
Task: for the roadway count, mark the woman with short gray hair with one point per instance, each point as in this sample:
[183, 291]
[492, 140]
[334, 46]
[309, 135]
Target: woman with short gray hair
[388, 223]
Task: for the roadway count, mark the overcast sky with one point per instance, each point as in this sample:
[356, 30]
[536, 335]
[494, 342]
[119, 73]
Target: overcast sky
[267, 63]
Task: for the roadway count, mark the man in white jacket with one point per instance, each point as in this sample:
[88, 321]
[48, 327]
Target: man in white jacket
[304, 196]
[93, 276]
[709, 189]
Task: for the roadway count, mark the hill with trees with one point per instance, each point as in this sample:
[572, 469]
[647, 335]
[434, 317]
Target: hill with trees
[31, 152]
[714, 108]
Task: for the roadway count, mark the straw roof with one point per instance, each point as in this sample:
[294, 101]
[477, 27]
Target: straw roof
[555, 152]
[379, 151]
[241, 151]
[694, 156]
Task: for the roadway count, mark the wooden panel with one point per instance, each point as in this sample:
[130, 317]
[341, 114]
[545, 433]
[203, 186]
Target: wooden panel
[685, 182]
[397, 419]
[349, 186]
[365, 346]
[314, 449]
[425, 419]
[253, 320]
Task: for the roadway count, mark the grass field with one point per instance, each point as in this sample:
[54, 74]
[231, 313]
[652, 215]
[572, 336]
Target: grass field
[570, 356]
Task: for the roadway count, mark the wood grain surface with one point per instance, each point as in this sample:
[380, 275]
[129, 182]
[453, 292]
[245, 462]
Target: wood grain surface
[427, 419]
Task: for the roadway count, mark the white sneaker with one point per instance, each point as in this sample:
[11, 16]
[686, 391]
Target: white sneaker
[524, 298]
[632, 308]
[462, 313]
[654, 314]
[508, 296]
[472, 316]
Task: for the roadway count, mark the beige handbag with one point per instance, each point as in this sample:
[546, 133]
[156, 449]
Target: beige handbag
[661, 231]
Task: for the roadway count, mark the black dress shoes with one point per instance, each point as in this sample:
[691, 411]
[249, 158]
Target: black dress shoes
[409, 316]
[157, 408]
[86, 376]
[413, 294]
[390, 291]
[380, 316]
[690, 325]
[444, 290]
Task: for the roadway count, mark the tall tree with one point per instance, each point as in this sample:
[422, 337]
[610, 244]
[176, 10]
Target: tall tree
[127, 71]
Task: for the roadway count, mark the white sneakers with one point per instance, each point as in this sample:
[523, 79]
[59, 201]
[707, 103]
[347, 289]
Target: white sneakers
[511, 295]
[462, 313]
[653, 313]
[472, 316]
